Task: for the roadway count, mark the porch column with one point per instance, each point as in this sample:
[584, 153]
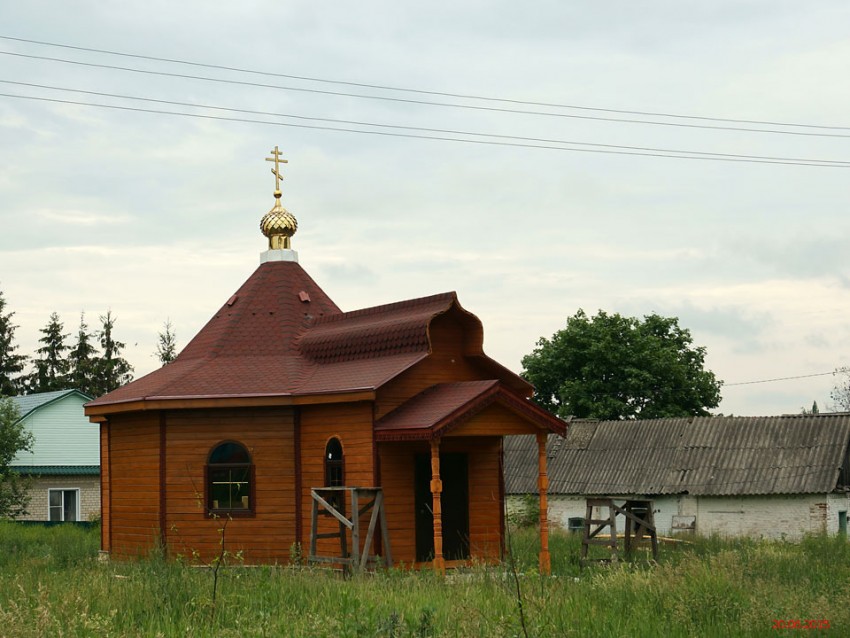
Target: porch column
[437, 508]
[542, 487]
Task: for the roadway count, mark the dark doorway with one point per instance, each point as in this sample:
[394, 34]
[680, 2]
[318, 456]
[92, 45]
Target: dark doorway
[454, 472]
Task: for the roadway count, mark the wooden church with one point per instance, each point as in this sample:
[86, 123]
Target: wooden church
[349, 435]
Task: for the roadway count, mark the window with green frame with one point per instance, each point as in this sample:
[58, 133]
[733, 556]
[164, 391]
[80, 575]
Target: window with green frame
[230, 479]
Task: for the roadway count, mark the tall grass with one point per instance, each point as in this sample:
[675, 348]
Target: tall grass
[51, 584]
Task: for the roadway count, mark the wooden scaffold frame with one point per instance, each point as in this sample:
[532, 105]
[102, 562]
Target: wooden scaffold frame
[639, 527]
[358, 557]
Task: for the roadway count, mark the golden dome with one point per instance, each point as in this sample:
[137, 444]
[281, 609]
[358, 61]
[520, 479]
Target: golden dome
[278, 225]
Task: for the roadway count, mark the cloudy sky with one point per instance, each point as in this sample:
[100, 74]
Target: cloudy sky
[578, 204]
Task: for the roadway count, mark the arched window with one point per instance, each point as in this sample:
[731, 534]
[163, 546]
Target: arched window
[334, 464]
[230, 479]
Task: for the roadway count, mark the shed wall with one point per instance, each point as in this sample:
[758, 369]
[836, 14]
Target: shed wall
[835, 503]
[778, 517]
[771, 516]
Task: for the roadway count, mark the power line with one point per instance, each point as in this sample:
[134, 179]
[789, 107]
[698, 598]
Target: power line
[420, 91]
[425, 137]
[186, 76]
[837, 163]
[800, 376]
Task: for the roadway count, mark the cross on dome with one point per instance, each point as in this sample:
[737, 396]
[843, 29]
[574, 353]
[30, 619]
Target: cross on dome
[276, 170]
[279, 225]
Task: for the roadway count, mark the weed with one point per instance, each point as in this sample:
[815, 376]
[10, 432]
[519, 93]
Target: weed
[51, 584]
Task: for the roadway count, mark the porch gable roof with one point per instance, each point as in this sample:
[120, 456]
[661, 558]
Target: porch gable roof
[445, 406]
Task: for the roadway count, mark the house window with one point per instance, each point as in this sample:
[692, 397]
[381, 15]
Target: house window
[63, 504]
[334, 464]
[230, 484]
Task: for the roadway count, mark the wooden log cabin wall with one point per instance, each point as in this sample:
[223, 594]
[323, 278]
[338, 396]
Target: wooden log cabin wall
[282, 392]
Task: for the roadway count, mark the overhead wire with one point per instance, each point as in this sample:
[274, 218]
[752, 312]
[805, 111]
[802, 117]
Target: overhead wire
[799, 376]
[419, 91]
[385, 98]
[838, 163]
[430, 137]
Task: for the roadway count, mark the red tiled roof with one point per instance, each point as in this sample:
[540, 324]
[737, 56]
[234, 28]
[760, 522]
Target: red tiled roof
[357, 374]
[379, 331]
[247, 348]
[281, 335]
[445, 406]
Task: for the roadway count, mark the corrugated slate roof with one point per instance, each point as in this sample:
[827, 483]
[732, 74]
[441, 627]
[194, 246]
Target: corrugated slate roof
[700, 455]
[270, 340]
[30, 402]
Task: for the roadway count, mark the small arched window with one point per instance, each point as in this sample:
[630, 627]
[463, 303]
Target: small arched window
[230, 479]
[334, 464]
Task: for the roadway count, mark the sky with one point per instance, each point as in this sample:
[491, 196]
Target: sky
[155, 216]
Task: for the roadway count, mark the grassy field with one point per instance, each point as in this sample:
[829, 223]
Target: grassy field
[51, 584]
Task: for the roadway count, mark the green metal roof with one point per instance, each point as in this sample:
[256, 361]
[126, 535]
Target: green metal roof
[57, 470]
[30, 402]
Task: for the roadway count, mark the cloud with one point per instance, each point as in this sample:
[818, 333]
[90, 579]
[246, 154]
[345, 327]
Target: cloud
[64, 216]
[156, 216]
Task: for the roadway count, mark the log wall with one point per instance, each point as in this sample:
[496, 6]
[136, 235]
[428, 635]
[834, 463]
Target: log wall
[446, 364]
[493, 420]
[131, 514]
[105, 489]
[485, 518]
[159, 496]
[351, 423]
[268, 435]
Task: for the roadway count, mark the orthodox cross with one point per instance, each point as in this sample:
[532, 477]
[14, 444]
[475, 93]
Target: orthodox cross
[276, 170]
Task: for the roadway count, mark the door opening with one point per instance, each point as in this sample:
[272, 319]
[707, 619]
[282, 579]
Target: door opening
[454, 472]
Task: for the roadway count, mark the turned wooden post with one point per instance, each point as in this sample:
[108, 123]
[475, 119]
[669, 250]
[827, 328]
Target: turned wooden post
[437, 508]
[542, 487]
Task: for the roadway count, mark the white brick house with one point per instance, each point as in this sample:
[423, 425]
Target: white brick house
[764, 477]
[64, 462]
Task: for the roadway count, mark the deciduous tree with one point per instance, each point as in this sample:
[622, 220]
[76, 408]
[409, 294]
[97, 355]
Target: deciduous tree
[615, 367]
[14, 438]
[840, 393]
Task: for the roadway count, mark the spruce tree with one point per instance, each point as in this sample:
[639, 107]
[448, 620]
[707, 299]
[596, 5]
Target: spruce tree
[166, 348]
[11, 364]
[112, 370]
[51, 366]
[83, 360]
